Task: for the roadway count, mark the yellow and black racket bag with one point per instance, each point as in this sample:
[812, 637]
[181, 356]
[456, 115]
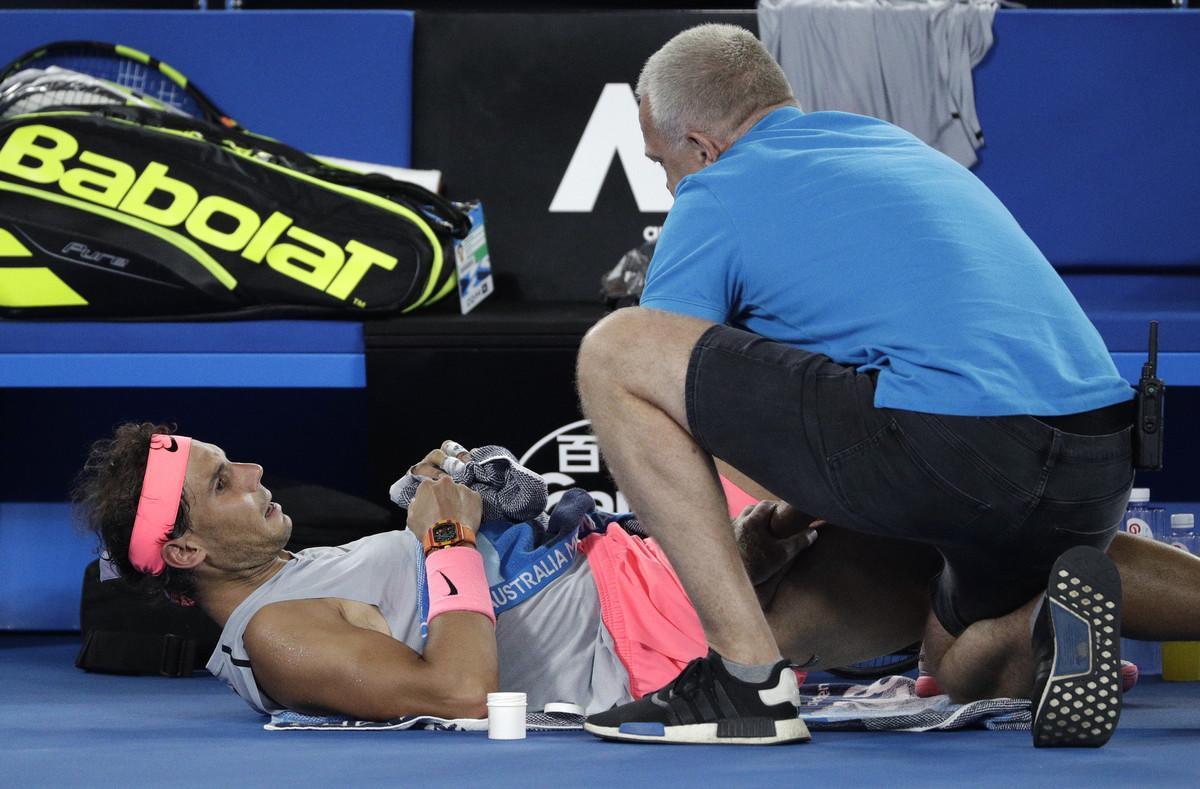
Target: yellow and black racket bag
[135, 212]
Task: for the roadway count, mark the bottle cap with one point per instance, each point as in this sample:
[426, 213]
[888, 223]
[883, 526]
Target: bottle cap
[1139, 494]
[1183, 520]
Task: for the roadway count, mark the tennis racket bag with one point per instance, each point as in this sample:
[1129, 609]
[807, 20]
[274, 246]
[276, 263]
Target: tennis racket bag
[138, 209]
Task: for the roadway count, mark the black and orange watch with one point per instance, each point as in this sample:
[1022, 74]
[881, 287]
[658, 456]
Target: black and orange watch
[447, 533]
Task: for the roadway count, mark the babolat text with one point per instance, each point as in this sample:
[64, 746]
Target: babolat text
[40, 154]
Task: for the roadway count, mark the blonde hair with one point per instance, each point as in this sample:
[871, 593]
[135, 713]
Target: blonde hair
[710, 78]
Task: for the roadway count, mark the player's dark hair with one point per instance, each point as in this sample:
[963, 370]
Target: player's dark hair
[106, 496]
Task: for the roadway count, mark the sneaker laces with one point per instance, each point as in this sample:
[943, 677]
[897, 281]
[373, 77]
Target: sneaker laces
[695, 675]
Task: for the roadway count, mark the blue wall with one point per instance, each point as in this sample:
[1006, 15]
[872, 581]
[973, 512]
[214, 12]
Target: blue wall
[327, 82]
[42, 557]
[1092, 128]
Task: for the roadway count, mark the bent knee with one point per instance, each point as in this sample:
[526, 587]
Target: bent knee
[637, 341]
[602, 344]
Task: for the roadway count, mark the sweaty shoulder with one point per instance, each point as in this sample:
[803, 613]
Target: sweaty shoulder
[308, 655]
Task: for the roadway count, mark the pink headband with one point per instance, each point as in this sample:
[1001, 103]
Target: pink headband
[162, 487]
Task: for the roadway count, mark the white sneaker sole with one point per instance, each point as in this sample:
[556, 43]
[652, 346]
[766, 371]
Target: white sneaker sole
[786, 731]
[1081, 707]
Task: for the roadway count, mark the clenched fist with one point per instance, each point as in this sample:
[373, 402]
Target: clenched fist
[443, 499]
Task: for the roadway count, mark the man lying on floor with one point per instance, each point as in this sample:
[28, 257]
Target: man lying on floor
[340, 630]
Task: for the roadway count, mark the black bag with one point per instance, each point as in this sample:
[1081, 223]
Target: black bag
[123, 213]
[126, 632]
[111, 209]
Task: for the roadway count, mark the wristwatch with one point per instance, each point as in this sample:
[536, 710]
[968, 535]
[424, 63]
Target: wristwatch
[447, 533]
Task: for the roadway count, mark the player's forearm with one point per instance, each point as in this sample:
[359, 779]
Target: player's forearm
[462, 635]
[461, 663]
[378, 678]
[459, 659]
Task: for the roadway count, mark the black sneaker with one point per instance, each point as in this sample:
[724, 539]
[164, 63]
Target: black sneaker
[1076, 652]
[705, 704]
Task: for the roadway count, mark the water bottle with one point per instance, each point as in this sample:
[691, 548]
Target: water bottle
[1181, 659]
[1183, 532]
[1143, 519]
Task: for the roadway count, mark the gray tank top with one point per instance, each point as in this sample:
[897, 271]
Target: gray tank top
[553, 646]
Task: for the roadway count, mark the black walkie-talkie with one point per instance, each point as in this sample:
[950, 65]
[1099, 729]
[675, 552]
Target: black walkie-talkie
[1148, 432]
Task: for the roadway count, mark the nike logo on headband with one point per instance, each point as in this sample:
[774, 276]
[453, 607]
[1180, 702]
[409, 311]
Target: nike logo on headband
[159, 441]
[453, 588]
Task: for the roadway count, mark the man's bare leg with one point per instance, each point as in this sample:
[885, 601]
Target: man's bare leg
[1160, 602]
[747, 485]
[993, 658]
[852, 597]
[1160, 590]
[631, 377]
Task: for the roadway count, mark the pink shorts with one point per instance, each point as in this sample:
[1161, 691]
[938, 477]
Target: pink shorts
[644, 607]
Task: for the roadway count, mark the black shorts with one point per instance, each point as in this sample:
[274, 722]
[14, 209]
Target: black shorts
[999, 497]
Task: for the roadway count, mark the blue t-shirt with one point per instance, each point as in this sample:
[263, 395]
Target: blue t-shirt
[847, 236]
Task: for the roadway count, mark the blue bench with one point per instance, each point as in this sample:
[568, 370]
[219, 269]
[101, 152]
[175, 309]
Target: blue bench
[259, 354]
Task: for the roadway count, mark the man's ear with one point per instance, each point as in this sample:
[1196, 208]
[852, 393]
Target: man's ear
[707, 148]
[183, 553]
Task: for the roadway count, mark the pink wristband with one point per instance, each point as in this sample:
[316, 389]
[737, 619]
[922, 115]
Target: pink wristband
[457, 582]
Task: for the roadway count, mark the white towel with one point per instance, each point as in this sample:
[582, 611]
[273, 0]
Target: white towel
[889, 704]
[534, 721]
[892, 704]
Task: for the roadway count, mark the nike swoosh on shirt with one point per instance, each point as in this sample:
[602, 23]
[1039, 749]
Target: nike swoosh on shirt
[453, 588]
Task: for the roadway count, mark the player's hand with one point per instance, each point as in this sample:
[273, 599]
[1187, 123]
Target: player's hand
[447, 459]
[443, 499]
[770, 534]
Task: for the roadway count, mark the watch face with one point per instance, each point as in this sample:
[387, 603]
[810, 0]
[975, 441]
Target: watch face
[444, 532]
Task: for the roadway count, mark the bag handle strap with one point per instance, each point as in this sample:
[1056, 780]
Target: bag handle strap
[166, 654]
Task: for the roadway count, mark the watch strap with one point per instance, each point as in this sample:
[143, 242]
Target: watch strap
[463, 535]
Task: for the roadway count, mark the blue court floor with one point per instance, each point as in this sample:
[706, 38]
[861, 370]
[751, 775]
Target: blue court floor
[62, 727]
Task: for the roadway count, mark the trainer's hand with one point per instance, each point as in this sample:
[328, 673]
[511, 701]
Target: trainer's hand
[443, 499]
[447, 459]
[770, 534]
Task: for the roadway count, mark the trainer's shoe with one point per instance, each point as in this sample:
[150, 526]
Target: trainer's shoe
[1076, 651]
[705, 704]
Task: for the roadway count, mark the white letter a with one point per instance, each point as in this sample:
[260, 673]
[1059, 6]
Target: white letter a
[612, 129]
